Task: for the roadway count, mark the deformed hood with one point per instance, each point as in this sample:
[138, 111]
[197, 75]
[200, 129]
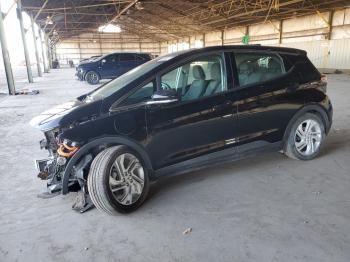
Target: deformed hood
[65, 114]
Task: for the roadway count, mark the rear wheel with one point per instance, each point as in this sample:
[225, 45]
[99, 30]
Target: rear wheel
[306, 137]
[92, 78]
[118, 180]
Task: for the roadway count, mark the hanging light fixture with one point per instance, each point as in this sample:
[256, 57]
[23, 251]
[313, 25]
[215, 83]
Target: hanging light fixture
[110, 28]
[139, 6]
[49, 20]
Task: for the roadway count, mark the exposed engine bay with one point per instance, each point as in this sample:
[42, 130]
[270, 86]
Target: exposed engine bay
[52, 169]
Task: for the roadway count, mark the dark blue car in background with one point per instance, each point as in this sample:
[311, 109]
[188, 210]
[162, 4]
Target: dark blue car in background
[109, 66]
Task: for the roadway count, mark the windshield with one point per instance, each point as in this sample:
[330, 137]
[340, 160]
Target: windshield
[125, 79]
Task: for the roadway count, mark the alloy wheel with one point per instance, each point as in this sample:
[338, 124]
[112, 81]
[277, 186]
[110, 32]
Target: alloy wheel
[126, 179]
[308, 137]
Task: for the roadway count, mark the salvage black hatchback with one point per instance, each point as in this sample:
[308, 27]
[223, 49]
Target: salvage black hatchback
[182, 112]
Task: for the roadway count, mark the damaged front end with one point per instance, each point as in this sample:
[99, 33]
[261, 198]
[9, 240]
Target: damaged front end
[54, 123]
[52, 169]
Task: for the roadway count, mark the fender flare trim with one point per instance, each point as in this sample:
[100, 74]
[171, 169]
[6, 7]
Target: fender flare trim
[307, 108]
[101, 141]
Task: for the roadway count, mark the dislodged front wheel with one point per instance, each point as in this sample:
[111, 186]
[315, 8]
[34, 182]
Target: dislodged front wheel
[306, 137]
[118, 180]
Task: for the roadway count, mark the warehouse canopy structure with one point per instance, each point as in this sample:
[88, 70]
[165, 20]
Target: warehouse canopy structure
[72, 30]
[167, 19]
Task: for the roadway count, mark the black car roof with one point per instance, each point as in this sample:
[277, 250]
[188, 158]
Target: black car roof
[239, 47]
[134, 53]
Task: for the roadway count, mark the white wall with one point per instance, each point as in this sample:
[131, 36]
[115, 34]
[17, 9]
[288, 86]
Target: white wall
[309, 33]
[90, 44]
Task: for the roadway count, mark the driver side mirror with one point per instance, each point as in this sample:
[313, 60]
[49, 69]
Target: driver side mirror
[103, 61]
[164, 96]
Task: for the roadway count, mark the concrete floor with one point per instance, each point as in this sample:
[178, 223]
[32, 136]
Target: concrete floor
[269, 208]
[20, 77]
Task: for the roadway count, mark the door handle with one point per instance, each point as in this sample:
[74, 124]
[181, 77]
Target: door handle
[291, 87]
[222, 106]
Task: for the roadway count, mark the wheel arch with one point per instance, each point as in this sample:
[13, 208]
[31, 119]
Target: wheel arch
[309, 108]
[98, 143]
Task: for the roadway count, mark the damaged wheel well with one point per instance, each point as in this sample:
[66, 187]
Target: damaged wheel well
[98, 145]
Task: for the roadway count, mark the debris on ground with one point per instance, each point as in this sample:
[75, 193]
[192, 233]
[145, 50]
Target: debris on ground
[79, 202]
[86, 248]
[46, 195]
[337, 71]
[27, 91]
[187, 231]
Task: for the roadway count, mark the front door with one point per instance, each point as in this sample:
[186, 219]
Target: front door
[109, 66]
[202, 122]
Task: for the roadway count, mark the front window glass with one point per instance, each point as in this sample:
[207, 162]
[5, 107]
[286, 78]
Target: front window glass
[125, 79]
[202, 77]
[258, 67]
[111, 59]
[142, 94]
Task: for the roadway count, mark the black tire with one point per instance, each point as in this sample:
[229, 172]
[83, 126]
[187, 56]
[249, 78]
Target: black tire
[92, 78]
[98, 181]
[290, 148]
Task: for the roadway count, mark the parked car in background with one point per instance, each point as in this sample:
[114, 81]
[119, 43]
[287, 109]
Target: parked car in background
[109, 66]
[90, 58]
[181, 112]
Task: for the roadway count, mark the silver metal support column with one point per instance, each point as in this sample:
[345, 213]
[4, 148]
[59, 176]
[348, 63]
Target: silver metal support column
[26, 54]
[36, 47]
[49, 57]
[46, 70]
[99, 37]
[6, 57]
[222, 37]
[280, 33]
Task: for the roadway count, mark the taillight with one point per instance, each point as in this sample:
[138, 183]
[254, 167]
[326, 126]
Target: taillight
[324, 78]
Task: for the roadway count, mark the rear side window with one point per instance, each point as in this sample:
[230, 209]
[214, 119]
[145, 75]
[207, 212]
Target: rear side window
[126, 57]
[306, 71]
[254, 67]
[142, 57]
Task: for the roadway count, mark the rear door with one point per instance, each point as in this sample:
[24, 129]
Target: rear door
[126, 62]
[202, 122]
[265, 96]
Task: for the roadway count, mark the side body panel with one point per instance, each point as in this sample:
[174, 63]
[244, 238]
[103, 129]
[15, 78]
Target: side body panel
[187, 129]
[179, 132]
[265, 108]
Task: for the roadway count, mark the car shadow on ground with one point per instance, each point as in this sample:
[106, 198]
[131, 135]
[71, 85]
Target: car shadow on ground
[335, 142]
[169, 182]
